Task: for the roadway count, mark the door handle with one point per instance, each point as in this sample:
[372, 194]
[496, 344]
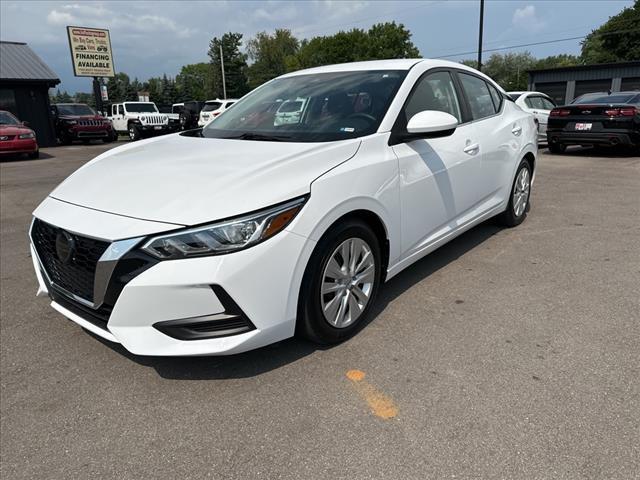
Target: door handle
[535, 111]
[472, 149]
[516, 131]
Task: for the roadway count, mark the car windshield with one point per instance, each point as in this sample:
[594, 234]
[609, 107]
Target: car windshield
[317, 107]
[140, 107]
[211, 106]
[78, 109]
[606, 98]
[7, 119]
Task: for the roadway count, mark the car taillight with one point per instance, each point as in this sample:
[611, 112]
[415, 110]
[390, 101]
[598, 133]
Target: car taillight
[559, 112]
[621, 112]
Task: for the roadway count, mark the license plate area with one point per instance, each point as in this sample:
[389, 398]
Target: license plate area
[581, 127]
[158, 127]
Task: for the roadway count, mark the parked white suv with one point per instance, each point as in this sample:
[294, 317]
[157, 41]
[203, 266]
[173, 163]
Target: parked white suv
[213, 108]
[537, 104]
[225, 239]
[138, 119]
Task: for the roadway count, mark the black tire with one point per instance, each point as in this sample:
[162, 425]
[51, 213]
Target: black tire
[34, 155]
[557, 148]
[134, 132]
[65, 140]
[509, 218]
[311, 322]
[184, 121]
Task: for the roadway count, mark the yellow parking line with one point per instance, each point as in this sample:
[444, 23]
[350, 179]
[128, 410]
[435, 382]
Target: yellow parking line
[381, 405]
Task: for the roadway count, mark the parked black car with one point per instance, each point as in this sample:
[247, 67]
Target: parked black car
[605, 119]
[190, 114]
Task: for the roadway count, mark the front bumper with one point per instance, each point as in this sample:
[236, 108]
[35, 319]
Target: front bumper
[27, 145]
[262, 282]
[148, 130]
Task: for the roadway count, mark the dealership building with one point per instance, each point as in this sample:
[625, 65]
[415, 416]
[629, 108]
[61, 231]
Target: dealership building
[25, 81]
[566, 83]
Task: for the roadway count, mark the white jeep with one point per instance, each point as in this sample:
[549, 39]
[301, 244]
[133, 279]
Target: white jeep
[138, 119]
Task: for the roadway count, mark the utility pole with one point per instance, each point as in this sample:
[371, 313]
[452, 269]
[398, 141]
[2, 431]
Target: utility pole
[480, 35]
[224, 85]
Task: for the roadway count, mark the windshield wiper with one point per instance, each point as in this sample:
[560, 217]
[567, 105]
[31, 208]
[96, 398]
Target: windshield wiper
[259, 136]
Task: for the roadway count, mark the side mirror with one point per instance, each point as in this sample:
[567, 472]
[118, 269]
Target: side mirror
[25, 123]
[432, 122]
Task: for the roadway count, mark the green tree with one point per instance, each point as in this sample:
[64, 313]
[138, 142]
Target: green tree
[235, 65]
[195, 82]
[119, 87]
[83, 97]
[562, 60]
[509, 70]
[617, 40]
[269, 55]
[381, 41]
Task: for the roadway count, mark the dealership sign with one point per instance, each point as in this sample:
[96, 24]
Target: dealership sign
[90, 52]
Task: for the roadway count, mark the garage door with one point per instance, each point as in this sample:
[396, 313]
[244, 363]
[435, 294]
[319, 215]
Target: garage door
[591, 86]
[556, 90]
[631, 83]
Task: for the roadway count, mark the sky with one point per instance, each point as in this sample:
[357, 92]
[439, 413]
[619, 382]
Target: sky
[152, 38]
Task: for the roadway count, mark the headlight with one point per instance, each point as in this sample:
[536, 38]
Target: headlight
[24, 136]
[226, 236]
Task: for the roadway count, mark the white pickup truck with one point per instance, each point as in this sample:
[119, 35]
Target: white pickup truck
[138, 119]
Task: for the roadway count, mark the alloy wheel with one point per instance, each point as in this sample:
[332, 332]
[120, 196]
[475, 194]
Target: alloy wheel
[521, 192]
[347, 282]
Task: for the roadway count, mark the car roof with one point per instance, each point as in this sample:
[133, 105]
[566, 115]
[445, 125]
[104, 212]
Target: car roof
[395, 64]
[527, 92]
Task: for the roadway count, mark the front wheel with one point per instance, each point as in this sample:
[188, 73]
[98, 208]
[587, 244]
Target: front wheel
[518, 206]
[134, 133]
[340, 284]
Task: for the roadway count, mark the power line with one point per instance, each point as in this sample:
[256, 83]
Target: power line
[537, 43]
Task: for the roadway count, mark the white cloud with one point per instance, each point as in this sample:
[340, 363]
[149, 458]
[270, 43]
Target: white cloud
[527, 18]
[60, 18]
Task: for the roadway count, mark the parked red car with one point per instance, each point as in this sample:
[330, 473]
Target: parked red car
[78, 121]
[16, 137]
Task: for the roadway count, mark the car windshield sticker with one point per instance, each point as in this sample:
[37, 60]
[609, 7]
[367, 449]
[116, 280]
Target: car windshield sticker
[348, 129]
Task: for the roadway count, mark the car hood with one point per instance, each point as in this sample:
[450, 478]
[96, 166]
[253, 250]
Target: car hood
[13, 130]
[192, 180]
[81, 117]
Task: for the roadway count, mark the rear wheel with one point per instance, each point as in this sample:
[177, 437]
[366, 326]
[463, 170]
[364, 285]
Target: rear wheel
[557, 147]
[518, 206]
[340, 283]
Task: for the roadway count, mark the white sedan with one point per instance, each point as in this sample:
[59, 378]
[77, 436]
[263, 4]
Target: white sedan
[537, 104]
[224, 239]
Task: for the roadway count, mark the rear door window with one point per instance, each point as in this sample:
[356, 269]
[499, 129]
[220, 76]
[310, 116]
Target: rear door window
[478, 96]
[495, 96]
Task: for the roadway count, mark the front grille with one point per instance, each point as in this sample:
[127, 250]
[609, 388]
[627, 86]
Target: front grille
[90, 123]
[154, 120]
[76, 276]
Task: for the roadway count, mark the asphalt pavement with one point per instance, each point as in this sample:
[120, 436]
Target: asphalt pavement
[508, 353]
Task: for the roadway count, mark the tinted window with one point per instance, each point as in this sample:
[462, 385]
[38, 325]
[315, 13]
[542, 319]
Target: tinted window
[324, 107]
[547, 104]
[515, 96]
[478, 95]
[76, 109]
[141, 107]
[605, 98]
[120, 110]
[434, 92]
[211, 106]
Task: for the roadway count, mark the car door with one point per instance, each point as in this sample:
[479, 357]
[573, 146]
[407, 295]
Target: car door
[437, 175]
[119, 121]
[499, 137]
